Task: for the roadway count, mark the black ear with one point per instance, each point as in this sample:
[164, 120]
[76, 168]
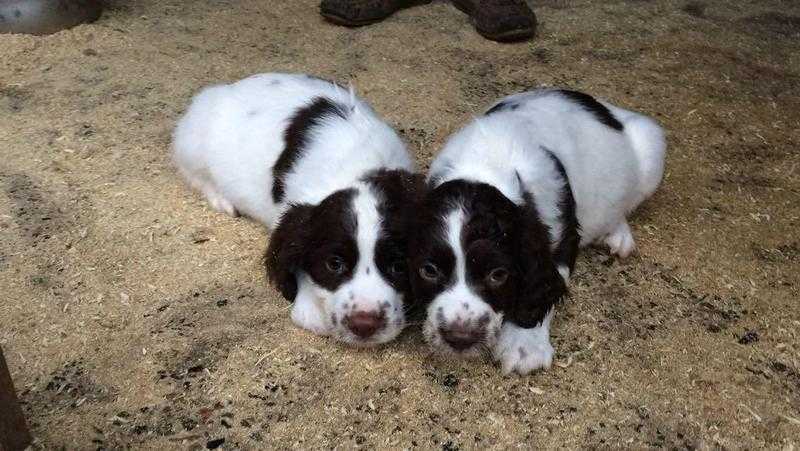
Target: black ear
[402, 193]
[286, 251]
[542, 286]
[400, 188]
[415, 188]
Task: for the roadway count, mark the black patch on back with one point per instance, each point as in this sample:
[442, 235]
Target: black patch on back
[399, 193]
[296, 137]
[598, 110]
[566, 251]
[306, 237]
[505, 105]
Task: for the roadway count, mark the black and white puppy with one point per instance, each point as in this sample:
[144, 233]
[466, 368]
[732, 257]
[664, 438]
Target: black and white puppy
[512, 197]
[332, 180]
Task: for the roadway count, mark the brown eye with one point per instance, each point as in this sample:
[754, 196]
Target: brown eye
[335, 264]
[497, 277]
[430, 272]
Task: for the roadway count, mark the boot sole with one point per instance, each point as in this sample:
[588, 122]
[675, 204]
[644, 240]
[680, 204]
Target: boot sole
[465, 6]
[509, 36]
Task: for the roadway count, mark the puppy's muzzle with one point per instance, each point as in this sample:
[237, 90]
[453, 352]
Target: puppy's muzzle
[364, 324]
[462, 336]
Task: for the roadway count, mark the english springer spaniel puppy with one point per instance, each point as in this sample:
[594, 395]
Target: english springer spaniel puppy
[333, 181]
[512, 197]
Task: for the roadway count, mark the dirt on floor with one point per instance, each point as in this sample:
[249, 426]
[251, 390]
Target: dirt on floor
[134, 317]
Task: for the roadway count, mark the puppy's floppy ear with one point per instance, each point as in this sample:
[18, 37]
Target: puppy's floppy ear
[415, 187]
[286, 251]
[542, 286]
[403, 193]
[398, 185]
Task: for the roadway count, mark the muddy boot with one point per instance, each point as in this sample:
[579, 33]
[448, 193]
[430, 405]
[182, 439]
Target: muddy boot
[500, 20]
[355, 13]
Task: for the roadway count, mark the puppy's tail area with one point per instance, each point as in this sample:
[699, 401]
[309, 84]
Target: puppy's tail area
[648, 141]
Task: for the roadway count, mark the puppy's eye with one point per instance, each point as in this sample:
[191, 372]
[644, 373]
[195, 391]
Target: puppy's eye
[335, 264]
[398, 268]
[497, 277]
[430, 272]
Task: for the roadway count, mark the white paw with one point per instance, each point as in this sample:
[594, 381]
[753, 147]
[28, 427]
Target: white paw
[524, 350]
[564, 272]
[306, 315]
[222, 205]
[620, 241]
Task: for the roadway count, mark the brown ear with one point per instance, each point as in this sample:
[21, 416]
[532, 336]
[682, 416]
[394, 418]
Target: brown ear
[399, 185]
[543, 286]
[415, 186]
[286, 251]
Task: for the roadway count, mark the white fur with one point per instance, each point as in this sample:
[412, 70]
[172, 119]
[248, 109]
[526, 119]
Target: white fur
[310, 307]
[563, 271]
[230, 138]
[610, 174]
[524, 350]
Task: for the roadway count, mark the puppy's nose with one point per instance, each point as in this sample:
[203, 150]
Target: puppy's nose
[365, 324]
[461, 337]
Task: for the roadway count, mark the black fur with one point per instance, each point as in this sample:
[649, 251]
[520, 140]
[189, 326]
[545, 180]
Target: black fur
[399, 192]
[598, 110]
[543, 285]
[296, 138]
[428, 243]
[306, 237]
[566, 251]
[502, 106]
[496, 233]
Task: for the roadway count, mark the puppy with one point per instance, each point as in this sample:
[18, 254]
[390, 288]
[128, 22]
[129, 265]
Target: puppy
[513, 196]
[333, 181]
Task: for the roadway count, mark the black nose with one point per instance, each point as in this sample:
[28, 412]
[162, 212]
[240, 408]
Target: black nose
[461, 337]
[365, 324]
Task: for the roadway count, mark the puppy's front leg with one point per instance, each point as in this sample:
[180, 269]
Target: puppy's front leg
[521, 350]
[308, 311]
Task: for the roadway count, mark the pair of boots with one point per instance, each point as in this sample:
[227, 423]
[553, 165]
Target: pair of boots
[498, 20]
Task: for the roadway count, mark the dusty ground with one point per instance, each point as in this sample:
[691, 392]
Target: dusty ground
[132, 316]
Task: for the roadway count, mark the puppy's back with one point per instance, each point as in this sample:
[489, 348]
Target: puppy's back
[231, 137]
[219, 119]
[601, 131]
[613, 157]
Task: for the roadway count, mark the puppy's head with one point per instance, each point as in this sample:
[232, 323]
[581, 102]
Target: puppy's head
[346, 257]
[478, 259]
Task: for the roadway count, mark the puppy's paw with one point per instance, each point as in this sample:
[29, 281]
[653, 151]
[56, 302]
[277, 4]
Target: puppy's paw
[620, 241]
[523, 350]
[308, 316]
[222, 205]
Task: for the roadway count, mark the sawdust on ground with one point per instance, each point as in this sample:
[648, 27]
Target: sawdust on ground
[133, 316]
